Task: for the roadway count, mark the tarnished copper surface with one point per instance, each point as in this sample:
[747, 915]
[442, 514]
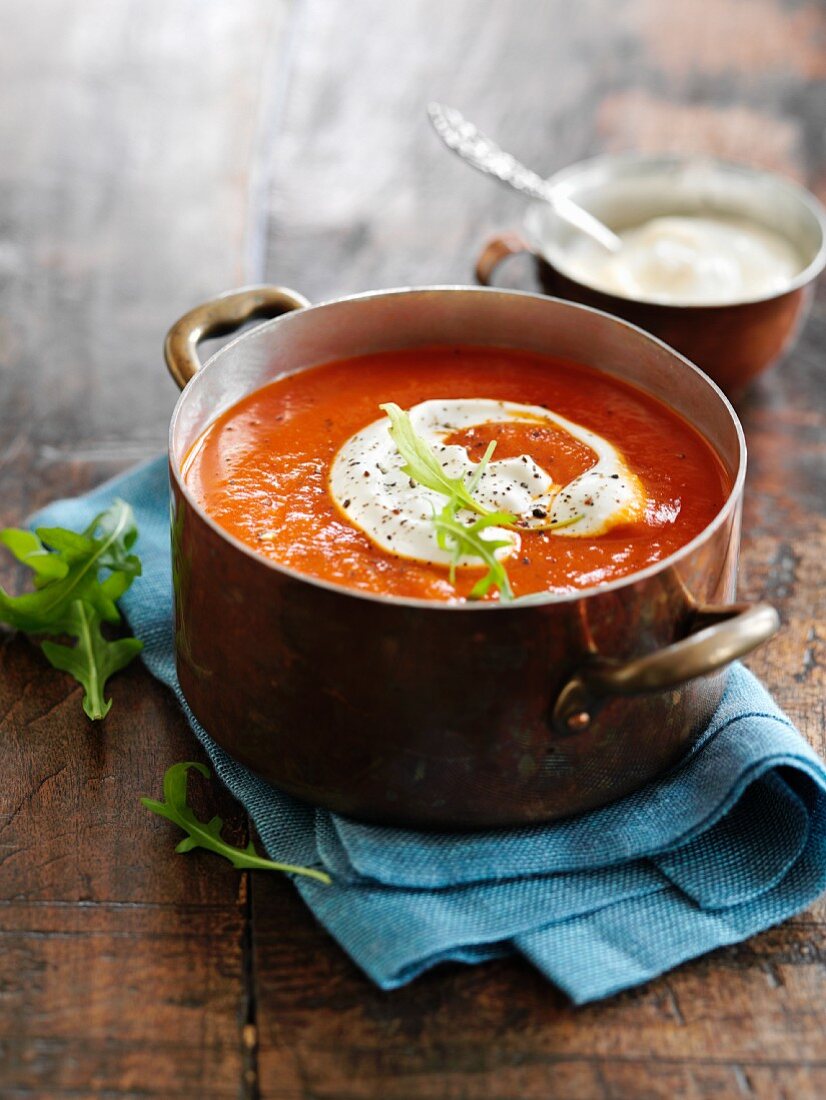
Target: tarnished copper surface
[421, 713]
[732, 344]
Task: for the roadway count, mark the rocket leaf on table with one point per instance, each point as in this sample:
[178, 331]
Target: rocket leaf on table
[70, 598]
[28, 549]
[93, 659]
[201, 834]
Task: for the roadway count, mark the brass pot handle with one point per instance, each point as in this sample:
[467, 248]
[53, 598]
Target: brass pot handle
[219, 315]
[494, 251]
[724, 635]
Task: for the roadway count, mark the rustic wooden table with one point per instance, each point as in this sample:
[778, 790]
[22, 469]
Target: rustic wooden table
[154, 153]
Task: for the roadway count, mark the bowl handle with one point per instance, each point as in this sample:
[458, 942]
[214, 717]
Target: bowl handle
[724, 634]
[220, 315]
[495, 250]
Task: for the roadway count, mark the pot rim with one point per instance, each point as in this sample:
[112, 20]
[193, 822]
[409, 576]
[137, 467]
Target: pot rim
[612, 163]
[533, 600]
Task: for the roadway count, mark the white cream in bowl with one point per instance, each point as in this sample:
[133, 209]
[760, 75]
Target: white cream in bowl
[687, 260]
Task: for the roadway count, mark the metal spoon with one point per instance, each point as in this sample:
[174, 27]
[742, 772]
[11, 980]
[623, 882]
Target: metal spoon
[471, 145]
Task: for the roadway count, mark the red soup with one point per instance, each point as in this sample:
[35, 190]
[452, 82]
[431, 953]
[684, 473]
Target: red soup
[493, 474]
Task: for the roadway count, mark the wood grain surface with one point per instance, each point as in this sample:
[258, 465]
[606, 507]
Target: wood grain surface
[153, 153]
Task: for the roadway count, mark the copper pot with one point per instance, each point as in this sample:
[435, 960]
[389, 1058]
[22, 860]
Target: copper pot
[732, 342]
[413, 712]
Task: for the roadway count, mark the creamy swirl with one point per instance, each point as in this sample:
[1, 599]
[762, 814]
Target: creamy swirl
[395, 512]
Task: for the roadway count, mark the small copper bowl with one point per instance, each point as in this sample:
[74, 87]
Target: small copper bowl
[420, 713]
[732, 342]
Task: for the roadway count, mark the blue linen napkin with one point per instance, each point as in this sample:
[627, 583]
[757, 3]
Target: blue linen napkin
[727, 844]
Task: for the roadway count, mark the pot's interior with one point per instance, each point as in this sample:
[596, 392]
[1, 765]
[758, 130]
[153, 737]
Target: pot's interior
[410, 318]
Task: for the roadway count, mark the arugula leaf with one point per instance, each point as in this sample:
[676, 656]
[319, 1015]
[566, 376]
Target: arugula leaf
[476, 476]
[71, 599]
[422, 464]
[94, 659]
[555, 524]
[71, 545]
[104, 544]
[461, 539]
[29, 550]
[207, 835]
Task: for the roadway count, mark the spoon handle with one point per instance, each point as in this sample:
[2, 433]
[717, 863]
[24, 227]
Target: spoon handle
[483, 153]
[468, 142]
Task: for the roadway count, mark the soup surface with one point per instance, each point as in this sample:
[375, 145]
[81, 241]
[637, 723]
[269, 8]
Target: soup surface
[590, 479]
